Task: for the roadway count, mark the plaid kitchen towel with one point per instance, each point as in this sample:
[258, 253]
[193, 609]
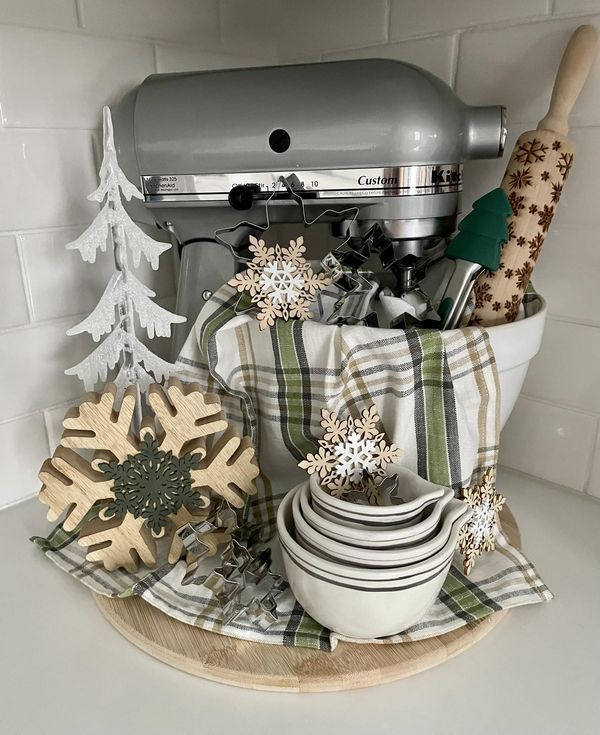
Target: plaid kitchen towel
[437, 395]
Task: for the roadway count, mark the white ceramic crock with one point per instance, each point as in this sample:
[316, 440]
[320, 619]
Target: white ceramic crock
[514, 346]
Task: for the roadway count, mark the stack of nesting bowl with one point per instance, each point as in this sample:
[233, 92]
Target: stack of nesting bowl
[369, 571]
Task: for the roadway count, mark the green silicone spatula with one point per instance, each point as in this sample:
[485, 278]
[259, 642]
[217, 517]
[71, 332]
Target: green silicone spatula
[476, 247]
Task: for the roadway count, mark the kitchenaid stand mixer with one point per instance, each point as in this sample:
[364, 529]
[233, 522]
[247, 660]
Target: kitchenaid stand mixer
[209, 148]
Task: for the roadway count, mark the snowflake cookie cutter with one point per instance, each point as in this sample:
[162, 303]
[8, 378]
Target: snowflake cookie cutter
[352, 455]
[244, 587]
[279, 281]
[147, 485]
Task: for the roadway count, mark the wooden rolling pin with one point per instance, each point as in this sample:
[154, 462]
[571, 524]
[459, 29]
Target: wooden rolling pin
[533, 182]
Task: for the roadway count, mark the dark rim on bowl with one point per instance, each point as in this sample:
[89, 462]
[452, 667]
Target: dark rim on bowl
[330, 510]
[294, 559]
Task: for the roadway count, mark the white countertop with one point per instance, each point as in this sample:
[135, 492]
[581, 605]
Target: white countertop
[64, 669]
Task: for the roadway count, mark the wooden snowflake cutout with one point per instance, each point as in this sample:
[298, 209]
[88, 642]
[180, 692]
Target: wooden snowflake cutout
[479, 534]
[280, 282]
[353, 454]
[146, 485]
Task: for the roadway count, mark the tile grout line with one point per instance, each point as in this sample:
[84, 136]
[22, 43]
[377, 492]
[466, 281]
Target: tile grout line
[495, 25]
[155, 57]
[46, 420]
[500, 24]
[561, 406]
[592, 459]
[25, 280]
[37, 411]
[219, 10]
[387, 20]
[566, 488]
[79, 12]
[43, 323]
[12, 503]
[559, 319]
[129, 38]
[454, 58]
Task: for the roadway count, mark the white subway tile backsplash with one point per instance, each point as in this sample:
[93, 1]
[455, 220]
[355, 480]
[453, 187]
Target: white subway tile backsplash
[23, 448]
[54, 417]
[575, 6]
[567, 273]
[593, 487]
[417, 17]
[516, 66]
[70, 76]
[553, 443]
[62, 284]
[171, 59]
[579, 201]
[181, 21]
[33, 363]
[564, 371]
[252, 27]
[434, 54]
[13, 302]
[56, 81]
[51, 173]
[40, 13]
[313, 26]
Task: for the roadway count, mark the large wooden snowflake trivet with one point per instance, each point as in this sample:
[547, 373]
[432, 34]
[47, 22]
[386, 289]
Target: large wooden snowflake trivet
[280, 282]
[353, 454]
[143, 486]
[479, 534]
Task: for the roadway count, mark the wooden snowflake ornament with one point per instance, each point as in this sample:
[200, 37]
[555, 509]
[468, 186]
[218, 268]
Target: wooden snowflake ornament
[280, 282]
[353, 454]
[144, 486]
[479, 534]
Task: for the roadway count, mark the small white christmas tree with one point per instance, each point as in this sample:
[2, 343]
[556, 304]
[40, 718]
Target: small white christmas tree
[124, 295]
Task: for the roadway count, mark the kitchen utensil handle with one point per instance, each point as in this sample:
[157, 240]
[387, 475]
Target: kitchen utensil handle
[574, 68]
[457, 292]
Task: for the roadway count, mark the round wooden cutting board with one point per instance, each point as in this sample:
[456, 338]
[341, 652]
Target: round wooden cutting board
[262, 666]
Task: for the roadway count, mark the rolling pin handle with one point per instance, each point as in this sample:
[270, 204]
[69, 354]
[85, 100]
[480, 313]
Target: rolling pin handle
[574, 68]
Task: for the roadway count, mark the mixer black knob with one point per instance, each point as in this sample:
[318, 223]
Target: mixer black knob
[242, 196]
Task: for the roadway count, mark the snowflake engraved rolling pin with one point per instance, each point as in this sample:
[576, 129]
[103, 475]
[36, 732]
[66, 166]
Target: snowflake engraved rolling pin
[534, 181]
[141, 488]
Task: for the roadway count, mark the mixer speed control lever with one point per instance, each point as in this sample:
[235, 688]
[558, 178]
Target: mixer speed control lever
[242, 195]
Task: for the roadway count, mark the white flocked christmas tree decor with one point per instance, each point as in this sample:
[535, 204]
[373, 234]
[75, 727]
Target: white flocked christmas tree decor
[124, 295]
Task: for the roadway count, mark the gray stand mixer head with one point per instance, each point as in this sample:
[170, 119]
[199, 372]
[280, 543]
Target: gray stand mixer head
[208, 148]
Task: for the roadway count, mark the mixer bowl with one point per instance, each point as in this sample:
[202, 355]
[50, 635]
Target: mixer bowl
[515, 345]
